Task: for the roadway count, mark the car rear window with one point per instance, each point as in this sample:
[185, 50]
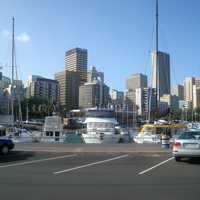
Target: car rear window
[189, 135]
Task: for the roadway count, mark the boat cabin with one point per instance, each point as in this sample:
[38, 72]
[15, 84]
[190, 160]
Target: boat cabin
[53, 129]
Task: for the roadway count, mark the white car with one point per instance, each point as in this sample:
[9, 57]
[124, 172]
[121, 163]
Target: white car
[187, 145]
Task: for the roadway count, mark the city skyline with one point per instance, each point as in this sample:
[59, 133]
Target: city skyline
[39, 53]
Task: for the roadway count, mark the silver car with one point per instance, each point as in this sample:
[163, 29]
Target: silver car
[187, 145]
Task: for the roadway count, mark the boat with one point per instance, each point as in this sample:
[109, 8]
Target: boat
[193, 126]
[151, 133]
[100, 127]
[10, 130]
[20, 135]
[53, 129]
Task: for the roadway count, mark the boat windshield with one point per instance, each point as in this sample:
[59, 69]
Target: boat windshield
[94, 125]
[100, 113]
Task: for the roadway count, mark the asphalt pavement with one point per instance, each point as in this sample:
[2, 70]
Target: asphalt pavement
[99, 176]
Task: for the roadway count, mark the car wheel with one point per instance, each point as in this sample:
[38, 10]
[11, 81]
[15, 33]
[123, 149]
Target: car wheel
[5, 150]
[178, 159]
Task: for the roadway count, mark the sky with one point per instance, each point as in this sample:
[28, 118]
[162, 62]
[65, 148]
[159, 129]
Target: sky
[119, 36]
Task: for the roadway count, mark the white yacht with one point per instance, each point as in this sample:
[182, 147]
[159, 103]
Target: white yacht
[100, 127]
[53, 129]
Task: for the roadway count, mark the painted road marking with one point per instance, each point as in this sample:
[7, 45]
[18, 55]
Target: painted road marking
[155, 166]
[90, 164]
[37, 161]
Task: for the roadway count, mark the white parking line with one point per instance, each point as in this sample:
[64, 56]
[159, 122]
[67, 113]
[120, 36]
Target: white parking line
[159, 164]
[37, 161]
[90, 164]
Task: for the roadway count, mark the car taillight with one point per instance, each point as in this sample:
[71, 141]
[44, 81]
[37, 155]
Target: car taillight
[176, 144]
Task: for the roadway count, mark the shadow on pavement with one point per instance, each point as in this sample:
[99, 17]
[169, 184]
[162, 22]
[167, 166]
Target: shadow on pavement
[194, 161]
[16, 156]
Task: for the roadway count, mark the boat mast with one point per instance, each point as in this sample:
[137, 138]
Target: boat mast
[157, 72]
[157, 65]
[12, 77]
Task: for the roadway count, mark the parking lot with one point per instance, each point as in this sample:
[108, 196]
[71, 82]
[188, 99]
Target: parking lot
[44, 175]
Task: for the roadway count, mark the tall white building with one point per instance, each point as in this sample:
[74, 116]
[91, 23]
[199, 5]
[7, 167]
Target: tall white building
[145, 97]
[196, 97]
[188, 88]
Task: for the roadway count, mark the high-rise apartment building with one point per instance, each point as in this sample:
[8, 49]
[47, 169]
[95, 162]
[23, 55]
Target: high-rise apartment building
[168, 101]
[93, 94]
[136, 81]
[41, 87]
[196, 97]
[130, 97]
[69, 82]
[161, 73]
[74, 75]
[178, 90]
[197, 82]
[76, 60]
[144, 98]
[132, 83]
[188, 88]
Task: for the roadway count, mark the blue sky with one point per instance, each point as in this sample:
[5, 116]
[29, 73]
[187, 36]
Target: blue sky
[117, 33]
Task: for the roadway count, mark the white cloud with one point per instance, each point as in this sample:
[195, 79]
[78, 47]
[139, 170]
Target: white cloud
[5, 33]
[23, 37]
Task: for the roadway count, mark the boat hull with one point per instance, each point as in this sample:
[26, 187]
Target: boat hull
[99, 139]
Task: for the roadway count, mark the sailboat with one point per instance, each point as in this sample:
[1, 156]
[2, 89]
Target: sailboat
[150, 133]
[18, 135]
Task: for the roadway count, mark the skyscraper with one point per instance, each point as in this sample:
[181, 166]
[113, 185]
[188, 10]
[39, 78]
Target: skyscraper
[145, 97]
[136, 81]
[41, 87]
[188, 88]
[197, 82]
[161, 73]
[74, 75]
[69, 85]
[196, 97]
[178, 90]
[91, 95]
[76, 60]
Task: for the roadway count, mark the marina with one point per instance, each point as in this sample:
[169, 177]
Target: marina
[70, 134]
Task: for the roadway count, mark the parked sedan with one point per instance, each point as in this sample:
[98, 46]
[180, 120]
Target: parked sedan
[187, 145]
[5, 146]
